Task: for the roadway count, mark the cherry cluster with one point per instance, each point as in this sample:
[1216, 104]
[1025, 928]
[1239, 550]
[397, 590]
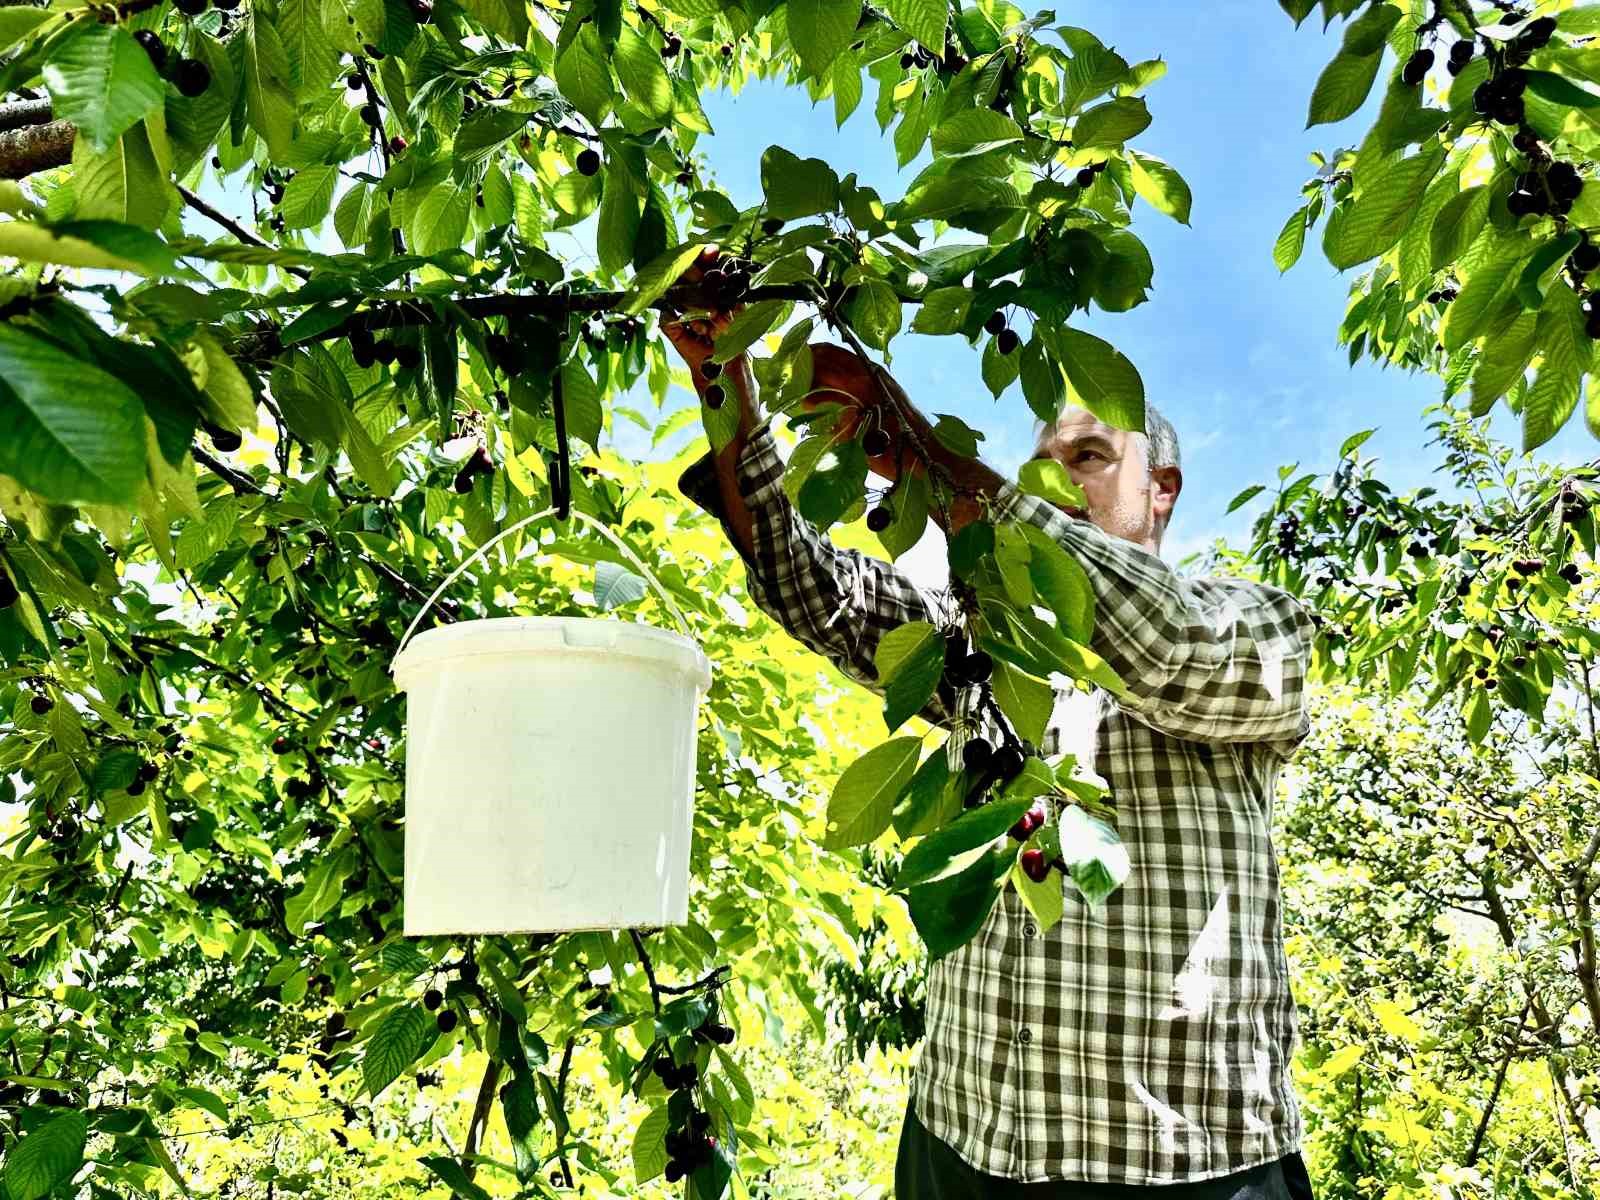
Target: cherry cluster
[1005, 338]
[366, 350]
[479, 464]
[1086, 175]
[189, 75]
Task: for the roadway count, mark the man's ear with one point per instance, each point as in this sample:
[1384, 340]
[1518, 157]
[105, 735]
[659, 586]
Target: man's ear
[1166, 483]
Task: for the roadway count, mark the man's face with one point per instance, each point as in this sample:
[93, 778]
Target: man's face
[1125, 499]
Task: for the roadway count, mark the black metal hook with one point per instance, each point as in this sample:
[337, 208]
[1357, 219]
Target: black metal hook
[560, 474]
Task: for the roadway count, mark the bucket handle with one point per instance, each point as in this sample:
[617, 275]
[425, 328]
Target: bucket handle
[508, 531]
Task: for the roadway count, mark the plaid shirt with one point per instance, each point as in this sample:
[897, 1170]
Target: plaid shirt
[1149, 1042]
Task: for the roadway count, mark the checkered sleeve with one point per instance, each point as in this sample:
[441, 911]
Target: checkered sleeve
[1204, 660]
[838, 602]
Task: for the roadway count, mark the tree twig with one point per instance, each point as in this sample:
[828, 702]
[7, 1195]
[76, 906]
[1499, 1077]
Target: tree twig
[205, 208]
[480, 1117]
[1499, 1081]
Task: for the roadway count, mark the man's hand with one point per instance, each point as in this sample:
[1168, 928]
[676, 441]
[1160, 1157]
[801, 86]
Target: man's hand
[841, 376]
[695, 340]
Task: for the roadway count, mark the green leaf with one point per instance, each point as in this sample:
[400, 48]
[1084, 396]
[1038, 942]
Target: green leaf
[581, 399]
[1045, 900]
[308, 196]
[643, 77]
[649, 1147]
[923, 20]
[942, 310]
[1343, 87]
[820, 29]
[834, 484]
[47, 1157]
[1366, 34]
[746, 328]
[268, 92]
[1106, 383]
[618, 225]
[910, 661]
[863, 799]
[1161, 186]
[796, 187]
[1244, 497]
[615, 585]
[940, 853]
[402, 1035]
[115, 770]
[1047, 478]
[1490, 268]
[1457, 225]
[1558, 89]
[453, 1177]
[29, 242]
[874, 313]
[583, 74]
[1061, 582]
[1541, 269]
[313, 60]
[482, 133]
[126, 184]
[974, 131]
[367, 457]
[846, 88]
[233, 405]
[1291, 240]
[1027, 702]
[999, 370]
[1568, 351]
[1365, 227]
[439, 222]
[948, 912]
[909, 502]
[318, 893]
[102, 81]
[662, 273]
[17, 23]
[68, 430]
[1110, 124]
[1096, 859]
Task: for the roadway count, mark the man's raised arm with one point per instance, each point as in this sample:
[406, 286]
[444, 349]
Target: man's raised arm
[838, 602]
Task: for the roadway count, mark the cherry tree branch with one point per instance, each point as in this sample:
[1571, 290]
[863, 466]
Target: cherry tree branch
[36, 148]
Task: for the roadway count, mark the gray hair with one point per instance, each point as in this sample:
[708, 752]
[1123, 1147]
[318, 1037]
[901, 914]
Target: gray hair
[1159, 440]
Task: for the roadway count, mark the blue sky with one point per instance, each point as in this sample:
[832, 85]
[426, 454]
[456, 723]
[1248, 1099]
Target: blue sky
[1245, 362]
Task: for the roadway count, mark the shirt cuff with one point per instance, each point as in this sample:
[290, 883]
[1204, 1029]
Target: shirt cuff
[758, 470]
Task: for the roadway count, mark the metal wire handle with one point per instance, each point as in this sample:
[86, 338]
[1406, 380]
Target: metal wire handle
[622, 546]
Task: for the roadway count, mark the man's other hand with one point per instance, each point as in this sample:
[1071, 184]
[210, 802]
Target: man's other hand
[695, 339]
[841, 376]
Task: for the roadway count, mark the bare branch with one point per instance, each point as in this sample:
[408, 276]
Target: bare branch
[36, 148]
[21, 113]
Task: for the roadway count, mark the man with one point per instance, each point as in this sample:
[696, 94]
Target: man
[1145, 1046]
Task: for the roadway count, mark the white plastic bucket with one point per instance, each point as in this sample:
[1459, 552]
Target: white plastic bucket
[550, 770]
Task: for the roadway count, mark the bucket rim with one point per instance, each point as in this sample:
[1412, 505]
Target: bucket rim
[444, 642]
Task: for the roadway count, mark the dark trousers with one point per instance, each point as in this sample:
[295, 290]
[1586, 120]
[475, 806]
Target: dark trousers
[928, 1169]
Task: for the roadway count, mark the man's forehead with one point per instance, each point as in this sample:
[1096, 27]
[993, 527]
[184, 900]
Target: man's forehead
[1081, 425]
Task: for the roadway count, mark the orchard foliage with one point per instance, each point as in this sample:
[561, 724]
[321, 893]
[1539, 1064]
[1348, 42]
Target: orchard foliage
[287, 335]
[1470, 193]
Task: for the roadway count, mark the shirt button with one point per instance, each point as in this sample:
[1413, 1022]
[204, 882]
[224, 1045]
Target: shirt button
[1025, 1036]
[1030, 929]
